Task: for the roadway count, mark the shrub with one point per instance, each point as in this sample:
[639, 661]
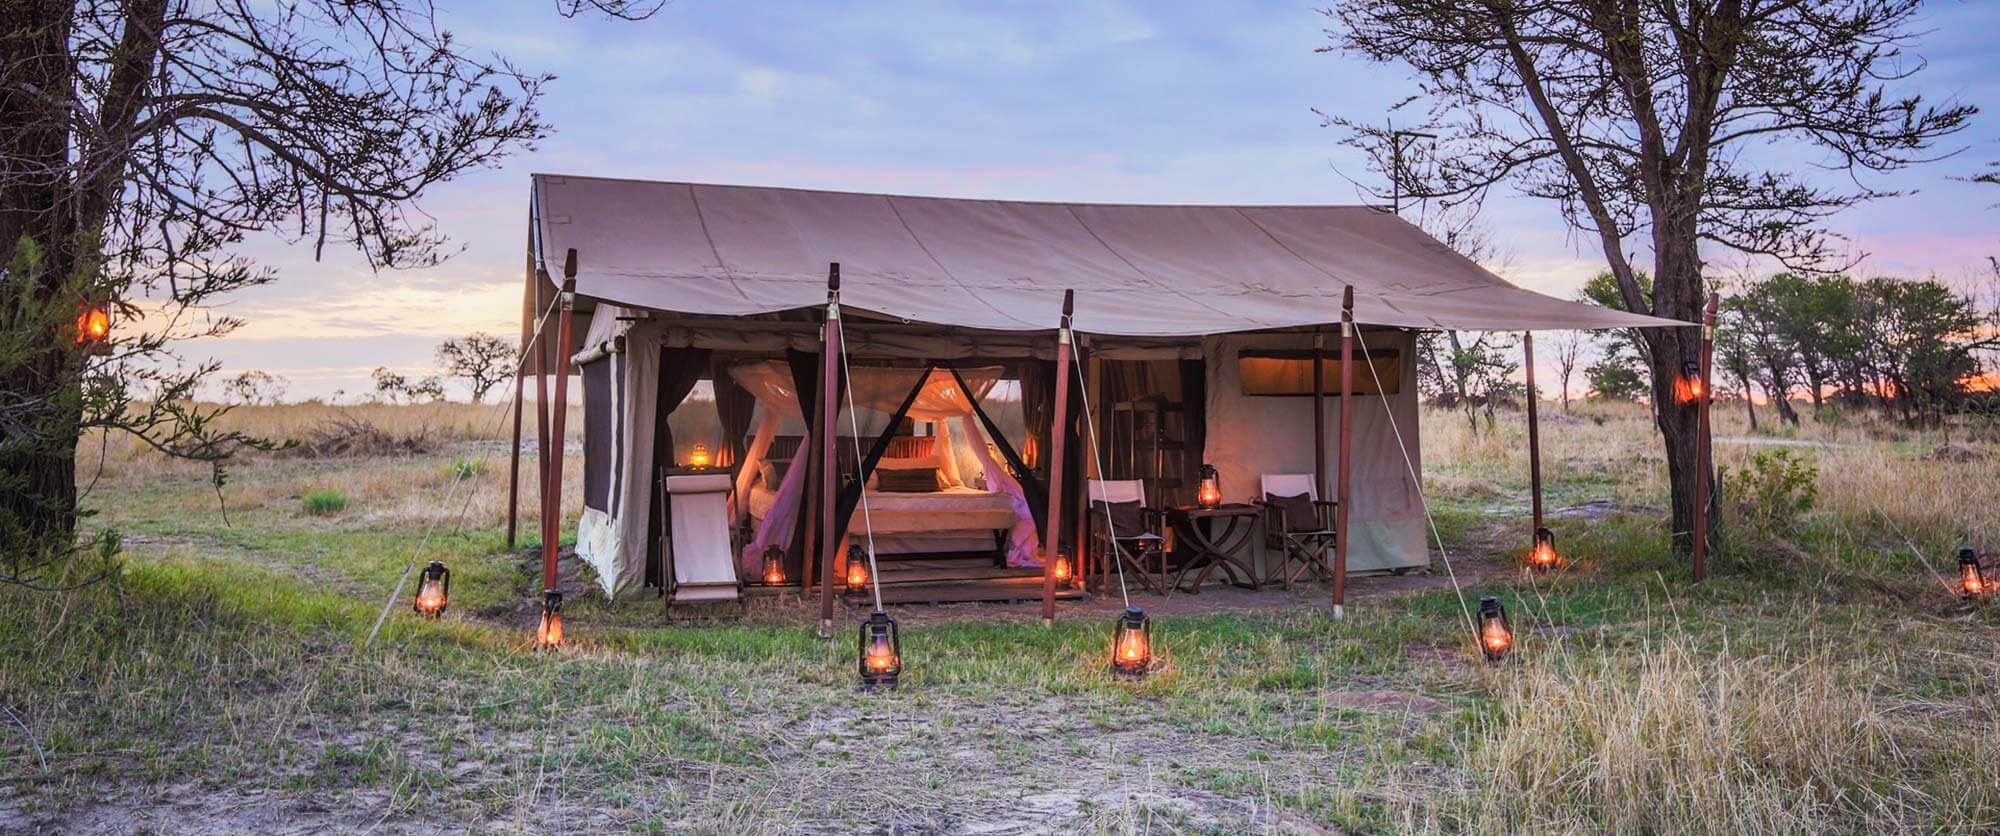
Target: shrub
[468, 468]
[324, 502]
[1773, 491]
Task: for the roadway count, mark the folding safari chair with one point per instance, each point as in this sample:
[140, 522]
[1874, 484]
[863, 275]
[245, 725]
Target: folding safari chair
[1134, 549]
[698, 544]
[1302, 544]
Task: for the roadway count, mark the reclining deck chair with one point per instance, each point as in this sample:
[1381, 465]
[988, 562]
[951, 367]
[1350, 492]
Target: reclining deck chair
[1300, 530]
[1135, 539]
[698, 544]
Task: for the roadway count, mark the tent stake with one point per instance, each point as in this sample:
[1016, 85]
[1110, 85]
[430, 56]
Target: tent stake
[552, 522]
[1701, 442]
[1059, 430]
[1346, 452]
[1534, 428]
[829, 410]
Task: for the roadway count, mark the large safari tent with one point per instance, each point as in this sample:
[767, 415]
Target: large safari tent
[1198, 335]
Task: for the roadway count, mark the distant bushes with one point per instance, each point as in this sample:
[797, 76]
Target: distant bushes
[324, 502]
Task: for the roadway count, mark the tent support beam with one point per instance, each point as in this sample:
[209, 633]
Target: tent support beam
[1701, 442]
[552, 520]
[1346, 479]
[1534, 428]
[1059, 431]
[1319, 412]
[829, 411]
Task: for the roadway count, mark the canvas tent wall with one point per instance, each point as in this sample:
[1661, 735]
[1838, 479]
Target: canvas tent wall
[679, 265]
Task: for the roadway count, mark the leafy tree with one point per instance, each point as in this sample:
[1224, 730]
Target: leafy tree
[1773, 360]
[1926, 338]
[481, 359]
[399, 388]
[1640, 119]
[255, 387]
[1617, 375]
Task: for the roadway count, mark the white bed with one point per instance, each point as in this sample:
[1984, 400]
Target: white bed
[948, 519]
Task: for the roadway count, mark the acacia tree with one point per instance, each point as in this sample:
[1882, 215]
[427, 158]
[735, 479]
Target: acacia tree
[1569, 348]
[1649, 123]
[142, 140]
[481, 359]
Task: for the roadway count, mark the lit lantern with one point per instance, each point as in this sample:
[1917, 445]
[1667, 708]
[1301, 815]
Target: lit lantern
[1972, 581]
[880, 650]
[699, 458]
[774, 566]
[857, 568]
[1496, 637]
[433, 589]
[1132, 644]
[1690, 388]
[1209, 494]
[549, 635]
[1062, 567]
[93, 324]
[1544, 555]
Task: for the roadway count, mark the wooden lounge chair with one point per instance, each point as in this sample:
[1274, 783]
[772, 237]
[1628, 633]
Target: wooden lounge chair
[1141, 547]
[698, 546]
[1301, 539]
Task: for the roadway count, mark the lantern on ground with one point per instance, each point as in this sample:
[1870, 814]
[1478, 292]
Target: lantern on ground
[1062, 569]
[774, 566]
[433, 589]
[880, 650]
[700, 458]
[1690, 388]
[1132, 644]
[549, 634]
[857, 568]
[1544, 556]
[1209, 493]
[93, 324]
[1972, 581]
[1496, 636]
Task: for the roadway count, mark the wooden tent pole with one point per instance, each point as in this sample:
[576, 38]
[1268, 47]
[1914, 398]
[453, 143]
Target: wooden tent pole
[1534, 428]
[560, 408]
[1346, 478]
[541, 416]
[1319, 413]
[1701, 442]
[829, 411]
[1052, 538]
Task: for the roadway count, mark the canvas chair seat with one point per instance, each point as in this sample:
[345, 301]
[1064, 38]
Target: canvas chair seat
[1301, 551]
[1142, 551]
[700, 546]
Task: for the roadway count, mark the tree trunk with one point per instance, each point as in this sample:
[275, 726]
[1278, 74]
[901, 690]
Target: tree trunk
[1677, 294]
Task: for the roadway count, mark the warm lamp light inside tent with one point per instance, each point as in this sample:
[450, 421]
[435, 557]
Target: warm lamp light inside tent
[1062, 568]
[1496, 636]
[1209, 493]
[1132, 643]
[1544, 555]
[1972, 581]
[700, 457]
[857, 570]
[434, 589]
[549, 634]
[774, 566]
[880, 650]
[93, 324]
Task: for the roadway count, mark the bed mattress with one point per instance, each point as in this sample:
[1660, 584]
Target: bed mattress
[950, 509]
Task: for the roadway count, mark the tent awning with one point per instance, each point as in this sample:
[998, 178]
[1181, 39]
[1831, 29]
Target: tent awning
[1138, 270]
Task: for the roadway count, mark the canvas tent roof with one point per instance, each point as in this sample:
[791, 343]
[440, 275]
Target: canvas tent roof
[1138, 270]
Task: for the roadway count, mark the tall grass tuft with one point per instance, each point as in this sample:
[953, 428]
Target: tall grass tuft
[324, 502]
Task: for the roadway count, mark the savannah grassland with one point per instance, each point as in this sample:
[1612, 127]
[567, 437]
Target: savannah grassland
[1822, 680]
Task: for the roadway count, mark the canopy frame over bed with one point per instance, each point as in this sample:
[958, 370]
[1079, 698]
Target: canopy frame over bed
[664, 266]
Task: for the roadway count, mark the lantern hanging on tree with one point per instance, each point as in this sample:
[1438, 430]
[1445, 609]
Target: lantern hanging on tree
[880, 650]
[1973, 584]
[1209, 493]
[93, 324]
[433, 589]
[1690, 388]
[1132, 644]
[549, 635]
[1496, 636]
[774, 566]
[1543, 556]
[857, 568]
[700, 458]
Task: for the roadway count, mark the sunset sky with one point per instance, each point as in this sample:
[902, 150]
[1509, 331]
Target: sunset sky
[1081, 101]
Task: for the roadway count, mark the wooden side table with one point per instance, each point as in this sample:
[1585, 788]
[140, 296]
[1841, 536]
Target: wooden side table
[1218, 537]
